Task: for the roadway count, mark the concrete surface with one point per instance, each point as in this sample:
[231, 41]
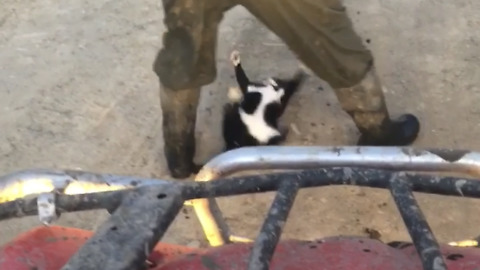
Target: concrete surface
[78, 91]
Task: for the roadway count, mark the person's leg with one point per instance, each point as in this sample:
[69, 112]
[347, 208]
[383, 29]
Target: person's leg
[184, 64]
[179, 111]
[365, 103]
[320, 33]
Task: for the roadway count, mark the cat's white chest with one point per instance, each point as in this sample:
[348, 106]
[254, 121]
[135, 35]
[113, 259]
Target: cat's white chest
[256, 125]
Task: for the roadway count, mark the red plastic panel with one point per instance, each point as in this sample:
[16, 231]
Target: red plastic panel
[456, 258]
[49, 248]
[336, 253]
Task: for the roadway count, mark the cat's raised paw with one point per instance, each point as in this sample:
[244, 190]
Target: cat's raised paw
[235, 57]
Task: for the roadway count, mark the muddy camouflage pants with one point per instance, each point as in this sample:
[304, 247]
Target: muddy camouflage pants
[319, 32]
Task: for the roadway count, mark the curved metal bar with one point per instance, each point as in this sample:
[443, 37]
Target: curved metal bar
[303, 157]
[33, 182]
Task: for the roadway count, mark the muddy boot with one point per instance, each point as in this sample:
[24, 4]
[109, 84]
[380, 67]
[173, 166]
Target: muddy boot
[179, 109]
[365, 103]
[185, 64]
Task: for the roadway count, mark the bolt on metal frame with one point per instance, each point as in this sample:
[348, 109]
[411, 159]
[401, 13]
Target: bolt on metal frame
[142, 209]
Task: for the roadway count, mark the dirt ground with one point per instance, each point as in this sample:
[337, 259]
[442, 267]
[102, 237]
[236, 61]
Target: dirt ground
[77, 91]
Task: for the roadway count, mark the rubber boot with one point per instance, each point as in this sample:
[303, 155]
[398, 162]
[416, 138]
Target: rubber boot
[365, 103]
[179, 110]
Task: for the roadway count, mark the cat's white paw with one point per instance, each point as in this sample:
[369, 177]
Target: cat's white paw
[235, 57]
[234, 94]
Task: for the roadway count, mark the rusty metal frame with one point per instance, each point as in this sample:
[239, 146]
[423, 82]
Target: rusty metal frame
[158, 201]
[142, 215]
[22, 184]
[303, 157]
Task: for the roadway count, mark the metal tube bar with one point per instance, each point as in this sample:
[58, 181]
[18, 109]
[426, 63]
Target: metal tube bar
[375, 178]
[302, 157]
[25, 183]
[64, 203]
[21, 184]
[452, 186]
[126, 239]
[420, 232]
[250, 158]
[272, 228]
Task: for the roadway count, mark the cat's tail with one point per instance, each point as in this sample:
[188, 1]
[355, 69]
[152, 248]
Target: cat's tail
[299, 77]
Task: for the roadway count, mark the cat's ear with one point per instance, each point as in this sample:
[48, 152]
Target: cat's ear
[273, 82]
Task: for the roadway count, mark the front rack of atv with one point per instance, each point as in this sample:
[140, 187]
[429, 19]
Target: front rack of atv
[142, 209]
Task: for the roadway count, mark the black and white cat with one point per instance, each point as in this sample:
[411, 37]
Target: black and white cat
[251, 118]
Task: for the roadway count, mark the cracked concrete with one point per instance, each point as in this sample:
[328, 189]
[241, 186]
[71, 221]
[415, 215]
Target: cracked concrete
[77, 90]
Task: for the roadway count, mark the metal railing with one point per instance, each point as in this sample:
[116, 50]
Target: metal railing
[142, 209]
